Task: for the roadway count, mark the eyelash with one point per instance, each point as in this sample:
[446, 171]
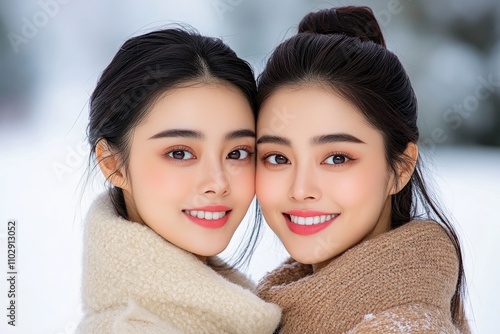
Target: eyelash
[332, 154]
[176, 149]
[247, 149]
[270, 154]
[341, 154]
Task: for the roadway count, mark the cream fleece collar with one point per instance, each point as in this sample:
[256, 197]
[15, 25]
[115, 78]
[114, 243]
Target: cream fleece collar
[126, 261]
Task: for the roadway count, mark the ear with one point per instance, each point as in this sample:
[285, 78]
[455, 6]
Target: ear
[110, 164]
[406, 167]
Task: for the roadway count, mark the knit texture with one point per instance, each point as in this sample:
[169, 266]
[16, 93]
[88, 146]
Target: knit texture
[401, 281]
[134, 281]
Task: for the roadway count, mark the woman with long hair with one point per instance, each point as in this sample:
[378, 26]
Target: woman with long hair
[172, 129]
[341, 183]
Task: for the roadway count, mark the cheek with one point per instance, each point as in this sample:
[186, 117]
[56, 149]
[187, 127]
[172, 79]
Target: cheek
[158, 179]
[269, 189]
[243, 183]
[362, 188]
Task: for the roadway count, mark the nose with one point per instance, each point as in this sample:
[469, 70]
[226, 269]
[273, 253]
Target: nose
[214, 180]
[305, 185]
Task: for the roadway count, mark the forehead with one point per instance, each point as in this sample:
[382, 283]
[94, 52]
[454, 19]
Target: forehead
[200, 106]
[310, 110]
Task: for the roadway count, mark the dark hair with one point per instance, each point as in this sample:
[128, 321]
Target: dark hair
[343, 48]
[144, 68]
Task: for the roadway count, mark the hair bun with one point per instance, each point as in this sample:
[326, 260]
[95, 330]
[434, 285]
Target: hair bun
[353, 21]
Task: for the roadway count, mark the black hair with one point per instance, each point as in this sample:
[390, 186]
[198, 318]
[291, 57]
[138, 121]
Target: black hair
[143, 69]
[344, 49]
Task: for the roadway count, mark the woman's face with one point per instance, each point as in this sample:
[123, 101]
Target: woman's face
[322, 178]
[191, 171]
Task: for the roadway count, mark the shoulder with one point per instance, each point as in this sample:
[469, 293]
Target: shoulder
[417, 240]
[420, 230]
[420, 251]
[127, 319]
[429, 241]
[410, 318]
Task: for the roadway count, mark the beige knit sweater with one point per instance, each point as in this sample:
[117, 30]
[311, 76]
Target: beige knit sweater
[399, 282]
[136, 282]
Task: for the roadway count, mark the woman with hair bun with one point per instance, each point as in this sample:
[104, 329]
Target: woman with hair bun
[172, 129]
[341, 183]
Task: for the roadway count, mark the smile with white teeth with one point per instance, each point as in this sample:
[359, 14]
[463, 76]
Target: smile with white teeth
[208, 215]
[311, 220]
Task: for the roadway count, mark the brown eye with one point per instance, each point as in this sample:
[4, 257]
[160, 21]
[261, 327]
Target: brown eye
[336, 159]
[238, 154]
[180, 155]
[276, 159]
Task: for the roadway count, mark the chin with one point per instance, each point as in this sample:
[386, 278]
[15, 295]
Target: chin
[213, 250]
[305, 260]
[309, 256]
[302, 257]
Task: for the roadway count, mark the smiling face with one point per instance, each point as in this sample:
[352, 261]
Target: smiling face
[322, 177]
[191, 169]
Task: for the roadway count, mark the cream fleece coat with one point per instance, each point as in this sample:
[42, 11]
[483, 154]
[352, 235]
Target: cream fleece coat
[136, 282]
[401, 281]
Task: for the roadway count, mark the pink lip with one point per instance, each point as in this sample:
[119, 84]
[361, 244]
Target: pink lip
[306, 229]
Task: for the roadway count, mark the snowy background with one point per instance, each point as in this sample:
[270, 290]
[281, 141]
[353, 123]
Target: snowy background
[47, 76]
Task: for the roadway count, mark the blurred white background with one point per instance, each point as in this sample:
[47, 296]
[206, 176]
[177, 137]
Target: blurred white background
[53, 51]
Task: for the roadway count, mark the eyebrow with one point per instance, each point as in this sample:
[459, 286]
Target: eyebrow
[242, 133]
[324, 139]
[178, 133]
[266, 139]
[336, 138]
